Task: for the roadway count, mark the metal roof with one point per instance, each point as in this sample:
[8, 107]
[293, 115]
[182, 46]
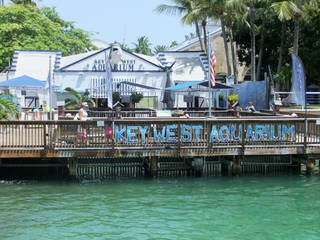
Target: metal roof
[23, 81]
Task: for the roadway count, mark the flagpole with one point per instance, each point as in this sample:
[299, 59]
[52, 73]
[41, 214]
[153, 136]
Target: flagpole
[208, 76]
[305, 111]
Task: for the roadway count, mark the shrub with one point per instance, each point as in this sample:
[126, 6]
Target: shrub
[136, 97]
[233, 97]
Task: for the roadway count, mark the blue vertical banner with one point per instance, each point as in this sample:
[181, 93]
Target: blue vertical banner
[109, 81]
[298, 84]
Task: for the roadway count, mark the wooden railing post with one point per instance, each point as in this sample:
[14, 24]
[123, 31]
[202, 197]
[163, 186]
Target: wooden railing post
[44, 139]
[113, 137]
[243, 138]
[305, 135]
[179, 138]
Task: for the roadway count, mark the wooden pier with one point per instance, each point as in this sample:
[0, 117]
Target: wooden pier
[161, 147]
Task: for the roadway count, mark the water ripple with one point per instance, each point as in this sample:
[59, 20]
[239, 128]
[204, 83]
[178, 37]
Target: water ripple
[212, 208]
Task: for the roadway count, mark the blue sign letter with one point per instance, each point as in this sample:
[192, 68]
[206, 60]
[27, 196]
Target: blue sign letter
[159, 136]
[185, 133]
[143, 133]
[289, 131]
[119, 134]
[197, 128]
[233, 129]
[250, 133]
[214, 134]
[273, 138]
[227, 135]
[169, 134]
[130, 134]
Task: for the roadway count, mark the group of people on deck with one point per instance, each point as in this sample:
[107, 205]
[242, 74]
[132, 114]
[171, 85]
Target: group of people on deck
[237, 108]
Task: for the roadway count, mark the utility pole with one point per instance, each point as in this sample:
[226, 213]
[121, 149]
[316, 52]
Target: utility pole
[209, 84]
[50, 87]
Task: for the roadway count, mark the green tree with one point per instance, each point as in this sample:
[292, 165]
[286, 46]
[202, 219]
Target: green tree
[310, 44]
[159, 48]
[285, 11]
[173, 44]
[143, 46]
[7, 107]
[298, 15]
[185, 7]
[216, 9]
[136, 97]
[31, 28]
[24, 2]
[77, 99]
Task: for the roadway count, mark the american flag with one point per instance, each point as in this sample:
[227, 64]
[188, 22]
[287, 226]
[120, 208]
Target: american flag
[213, 63]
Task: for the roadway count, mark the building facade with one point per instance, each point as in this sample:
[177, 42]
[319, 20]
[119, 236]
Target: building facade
[135, 73]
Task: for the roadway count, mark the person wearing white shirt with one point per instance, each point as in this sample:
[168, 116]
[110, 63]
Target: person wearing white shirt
[250, 107]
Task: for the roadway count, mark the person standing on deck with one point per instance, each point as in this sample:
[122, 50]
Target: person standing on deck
[82, 115]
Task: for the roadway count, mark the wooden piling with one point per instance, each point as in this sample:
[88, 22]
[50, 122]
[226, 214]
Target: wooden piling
[236, 168]
[310, 166]
[72, 166]
[151, 166]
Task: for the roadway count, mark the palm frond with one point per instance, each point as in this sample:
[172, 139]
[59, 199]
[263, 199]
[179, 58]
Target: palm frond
[285, 10]
[73, 92]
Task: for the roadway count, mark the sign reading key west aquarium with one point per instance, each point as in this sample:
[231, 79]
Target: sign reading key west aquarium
[193, 133]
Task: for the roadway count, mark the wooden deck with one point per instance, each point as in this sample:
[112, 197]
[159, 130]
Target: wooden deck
[148, 137]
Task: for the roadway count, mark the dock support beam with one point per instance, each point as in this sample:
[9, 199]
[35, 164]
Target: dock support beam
[310, 166]
[236, 169]
[72, 166]
[225, 168]
[197, 165]
[151, 166]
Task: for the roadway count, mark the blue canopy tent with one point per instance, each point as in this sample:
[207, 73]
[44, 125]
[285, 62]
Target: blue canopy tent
[23, 81]
[202, 83]
[139, 85]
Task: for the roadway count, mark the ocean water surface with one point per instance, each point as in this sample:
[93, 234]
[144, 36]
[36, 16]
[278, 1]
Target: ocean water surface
[286, 207]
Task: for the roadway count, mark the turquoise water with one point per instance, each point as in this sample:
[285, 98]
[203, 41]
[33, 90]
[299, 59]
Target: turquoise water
[285, 207]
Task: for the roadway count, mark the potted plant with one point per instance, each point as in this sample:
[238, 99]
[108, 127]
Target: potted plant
[232, 99]
[135, 98]
[222, 102]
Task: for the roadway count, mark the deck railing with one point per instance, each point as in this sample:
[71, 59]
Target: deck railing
[155, 133]
[153, 113]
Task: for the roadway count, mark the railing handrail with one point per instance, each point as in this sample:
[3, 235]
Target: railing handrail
[155, 119]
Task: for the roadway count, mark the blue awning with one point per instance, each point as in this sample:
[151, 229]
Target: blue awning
[23, 81]
[202, 83]
[185, 85]
[139, 85]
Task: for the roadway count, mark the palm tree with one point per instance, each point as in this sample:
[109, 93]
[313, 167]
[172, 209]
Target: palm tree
[173, 44]
[143, 46]
[234, 14]
[159, 48]
[7, 107]
[263, 10]
[253, 41]
[76, 101]
[248, 8]
[24, 2]
[298, 7]
[184, 7]
[285, 11]
[216, 9]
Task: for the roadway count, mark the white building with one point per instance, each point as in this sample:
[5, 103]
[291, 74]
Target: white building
[135, 73]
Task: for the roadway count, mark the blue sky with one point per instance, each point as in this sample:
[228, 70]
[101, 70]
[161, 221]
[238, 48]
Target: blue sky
[122, 20]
